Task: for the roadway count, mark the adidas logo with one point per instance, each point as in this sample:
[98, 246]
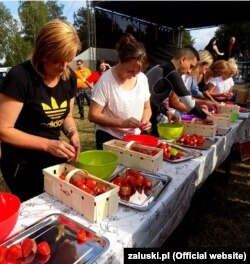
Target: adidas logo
[55, 111]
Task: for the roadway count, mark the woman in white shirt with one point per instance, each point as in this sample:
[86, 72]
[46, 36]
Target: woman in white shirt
[120, 101]
[220, 88]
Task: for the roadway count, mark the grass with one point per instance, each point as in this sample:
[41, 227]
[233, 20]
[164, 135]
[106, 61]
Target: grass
[219, 215]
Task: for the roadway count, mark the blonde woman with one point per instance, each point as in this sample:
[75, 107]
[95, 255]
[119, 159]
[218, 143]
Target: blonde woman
[218, 68]
[221, 88]
[36, 103]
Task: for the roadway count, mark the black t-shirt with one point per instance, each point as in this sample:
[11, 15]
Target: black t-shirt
[44, 109]
[162, 80]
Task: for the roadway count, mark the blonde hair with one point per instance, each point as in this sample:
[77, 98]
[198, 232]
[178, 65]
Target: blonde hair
[206, 58]
[57, 41]
[219, 68]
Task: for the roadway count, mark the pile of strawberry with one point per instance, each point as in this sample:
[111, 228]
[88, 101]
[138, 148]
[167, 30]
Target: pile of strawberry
[192, 140]
[170, 153]
[25, 252]
[144, 150]
[88, 185]
[130, 183]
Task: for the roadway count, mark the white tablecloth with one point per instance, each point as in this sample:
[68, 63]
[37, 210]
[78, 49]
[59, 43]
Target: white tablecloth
[131, 228]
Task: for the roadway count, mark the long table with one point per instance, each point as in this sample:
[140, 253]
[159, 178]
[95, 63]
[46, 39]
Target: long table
[132, 228]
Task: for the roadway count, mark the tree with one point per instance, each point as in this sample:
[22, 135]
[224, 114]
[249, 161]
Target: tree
[81, 24]
[13, 48]
[33, 15]
[55, 10]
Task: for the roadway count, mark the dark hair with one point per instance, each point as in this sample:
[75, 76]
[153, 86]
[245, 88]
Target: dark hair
[129, 48]
[79, 61]
[209, 46]
[188, 51]
[98, 63]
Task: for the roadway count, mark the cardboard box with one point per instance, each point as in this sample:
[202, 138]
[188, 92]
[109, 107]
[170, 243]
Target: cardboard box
[93, 208]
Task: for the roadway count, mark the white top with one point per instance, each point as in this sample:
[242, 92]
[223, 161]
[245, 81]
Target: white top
[120, 103]
[222, 86]
[187, 79]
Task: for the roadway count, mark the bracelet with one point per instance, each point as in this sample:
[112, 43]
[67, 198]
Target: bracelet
[69, 130]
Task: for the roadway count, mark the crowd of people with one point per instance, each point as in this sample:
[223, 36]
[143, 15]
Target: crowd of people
[38, 96]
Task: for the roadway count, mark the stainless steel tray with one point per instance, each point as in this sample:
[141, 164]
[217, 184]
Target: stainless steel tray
[60, 232]
[187, 153]
[207, 144]
[144, 200]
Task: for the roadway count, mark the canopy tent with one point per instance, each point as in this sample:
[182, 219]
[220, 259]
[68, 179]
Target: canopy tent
[187, 14]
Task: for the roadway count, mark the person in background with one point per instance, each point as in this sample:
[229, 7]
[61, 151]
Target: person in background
[101, 67]
[36, 103]
[213, 49]
[221, 88]
[232, 50]
[120, 100]
[84, 88]
[218, 68]
[166, 78]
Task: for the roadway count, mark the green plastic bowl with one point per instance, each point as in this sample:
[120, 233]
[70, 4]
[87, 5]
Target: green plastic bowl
[170, 131]
[99, 163]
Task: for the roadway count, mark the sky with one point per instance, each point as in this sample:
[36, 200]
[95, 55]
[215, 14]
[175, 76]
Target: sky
[201, 36]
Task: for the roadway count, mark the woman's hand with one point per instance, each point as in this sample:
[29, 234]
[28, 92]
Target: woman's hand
[62, 149]
[75, 142]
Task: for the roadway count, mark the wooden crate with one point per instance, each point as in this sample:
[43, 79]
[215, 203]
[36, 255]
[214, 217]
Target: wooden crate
[93, 208]
[135, 159]
[229, 109]
[200, 129]
[222, 119]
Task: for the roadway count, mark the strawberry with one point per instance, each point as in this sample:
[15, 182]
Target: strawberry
[43, 248]
[91, 183]
[3, 253]
[28, 246]
[42, 259]
[125, 190]
[90, 235]
[81, 236]
[14, 252]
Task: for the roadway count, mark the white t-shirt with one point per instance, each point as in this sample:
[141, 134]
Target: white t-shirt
[120, 103]
[222, 86]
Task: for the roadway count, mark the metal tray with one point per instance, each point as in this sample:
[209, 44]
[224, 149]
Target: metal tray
[144, 201]
[188, 153]
[207, 144]
[60, 232]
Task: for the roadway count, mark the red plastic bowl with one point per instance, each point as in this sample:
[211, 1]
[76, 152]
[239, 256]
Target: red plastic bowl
[146, 140]
[9, 211]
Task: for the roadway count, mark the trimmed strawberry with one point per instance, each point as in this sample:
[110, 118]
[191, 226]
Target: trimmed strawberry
[30, 258]
[43, 248]
[3, 253]
[117, 180]
[147, 183]
[125, 190]
[90, 235]
[28, 246]
[81, 236]
[42, 259]
[14, 252]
